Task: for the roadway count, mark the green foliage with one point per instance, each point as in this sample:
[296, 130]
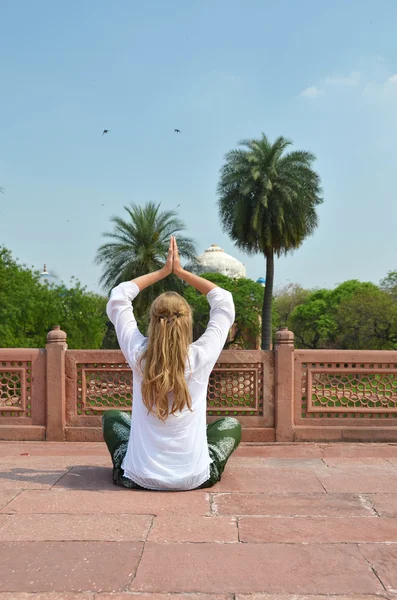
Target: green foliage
[139, 244]
[82, 315]
[286, 300]
[367, 320]
[267, 204]
[29, 309]
[354, 315]
[313, 322]
[248, 297]
[389, 284]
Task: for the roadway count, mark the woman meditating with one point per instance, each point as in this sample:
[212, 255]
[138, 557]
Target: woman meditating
[166, 444]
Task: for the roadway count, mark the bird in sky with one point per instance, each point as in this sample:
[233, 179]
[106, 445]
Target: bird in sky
[177, 131]
[105, 131]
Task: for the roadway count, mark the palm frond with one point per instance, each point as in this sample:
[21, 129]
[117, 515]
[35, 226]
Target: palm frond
[267, 196]
[139, 243]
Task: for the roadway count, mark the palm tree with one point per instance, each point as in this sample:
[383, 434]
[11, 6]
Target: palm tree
[267, 204]
[140, 245]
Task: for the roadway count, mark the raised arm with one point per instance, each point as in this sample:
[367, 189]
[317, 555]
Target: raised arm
[202, 285]
[120, 312]
[222, 314]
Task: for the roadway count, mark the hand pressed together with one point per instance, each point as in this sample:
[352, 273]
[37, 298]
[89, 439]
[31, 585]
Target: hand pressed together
[173, 263]
[167, 269]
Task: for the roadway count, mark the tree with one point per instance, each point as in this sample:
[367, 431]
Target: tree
[139, 244]
[389, 284]
[367, 320]
[82, 315]
[29, 309]
[313, 322]
[247, 296]
[267, 204]
[320, 322]
[24, 306]
[286, 300]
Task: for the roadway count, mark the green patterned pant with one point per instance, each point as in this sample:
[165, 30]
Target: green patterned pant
[223, 437]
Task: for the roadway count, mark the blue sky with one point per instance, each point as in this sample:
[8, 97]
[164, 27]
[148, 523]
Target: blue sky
[323, 74]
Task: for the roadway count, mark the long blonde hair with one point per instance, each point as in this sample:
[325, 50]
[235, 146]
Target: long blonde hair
[164, 361]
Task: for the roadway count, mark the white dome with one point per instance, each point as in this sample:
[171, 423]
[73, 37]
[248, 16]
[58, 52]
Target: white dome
[215, 260]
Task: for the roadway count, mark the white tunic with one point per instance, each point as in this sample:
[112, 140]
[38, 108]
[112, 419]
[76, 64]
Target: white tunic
[170, 455]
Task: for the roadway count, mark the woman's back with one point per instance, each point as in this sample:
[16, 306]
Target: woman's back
[170, 453]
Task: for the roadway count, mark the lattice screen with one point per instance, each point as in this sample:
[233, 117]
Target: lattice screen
[15, 388]
[234, 389]
[103, 386]
[349, 390]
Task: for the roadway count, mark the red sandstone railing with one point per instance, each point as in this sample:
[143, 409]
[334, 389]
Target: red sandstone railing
[22, 393]
[240, 385]
[286, 395]
[334, 395]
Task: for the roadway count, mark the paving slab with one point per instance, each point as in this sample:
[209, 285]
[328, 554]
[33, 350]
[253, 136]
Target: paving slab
[138, 596]
[320, 530]
[47, 596]
[88, 478]
[29, 477]
[193, 529]
[310, 511]
[305, 597]
[52, 463]
[47, 527]
[58, 501]
[383, 558]
[359, 450]
[143, 596]
[293, 463]
[67, 566]
[6, 496]
[14, 449]
[3, 520]
[291, 505]
[359, 480]
[384, 504]
[364, 461]
[281, 451]
[239, 479]
[277, 462]
[249, 568]
[245, 461]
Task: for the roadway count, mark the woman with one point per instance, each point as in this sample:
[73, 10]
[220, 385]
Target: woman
[166, 444]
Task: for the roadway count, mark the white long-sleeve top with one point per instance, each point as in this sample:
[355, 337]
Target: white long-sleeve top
[170, 455]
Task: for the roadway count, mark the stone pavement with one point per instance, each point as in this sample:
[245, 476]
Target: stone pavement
[287, 522]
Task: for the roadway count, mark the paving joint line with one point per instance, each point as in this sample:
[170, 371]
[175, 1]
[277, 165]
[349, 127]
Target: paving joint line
[320, 482]
[374, 571]
[368, 500]
[68, 469]
[17, 493]
[213, 506]
[134, 574]
[238, 530]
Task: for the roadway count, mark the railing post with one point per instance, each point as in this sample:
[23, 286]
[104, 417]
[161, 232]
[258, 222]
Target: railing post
[56, 390]
[284, 385]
